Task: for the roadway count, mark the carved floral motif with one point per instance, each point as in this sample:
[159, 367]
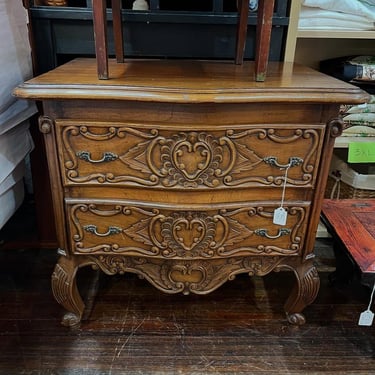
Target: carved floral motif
[166, 233]
[188, 159]
[200, 277]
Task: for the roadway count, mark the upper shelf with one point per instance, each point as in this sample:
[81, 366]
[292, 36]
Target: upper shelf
[342, 34]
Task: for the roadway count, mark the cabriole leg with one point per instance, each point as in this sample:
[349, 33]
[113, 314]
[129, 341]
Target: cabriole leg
[65, 290]
[303, 293]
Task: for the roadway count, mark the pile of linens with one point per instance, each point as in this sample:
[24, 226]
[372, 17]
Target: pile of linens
[359, 70]
[337, 14]
[15, 140]
[359, 120]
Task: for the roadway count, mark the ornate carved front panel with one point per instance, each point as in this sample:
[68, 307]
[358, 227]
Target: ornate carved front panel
[195, 276]
[164, 157]
[172, 232]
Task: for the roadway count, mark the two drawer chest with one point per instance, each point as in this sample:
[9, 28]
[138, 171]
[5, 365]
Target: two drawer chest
[188, 173]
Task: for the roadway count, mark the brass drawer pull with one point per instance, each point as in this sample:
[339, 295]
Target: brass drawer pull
[93, 229]
[107, 156]
[263, 233]
[293, 161]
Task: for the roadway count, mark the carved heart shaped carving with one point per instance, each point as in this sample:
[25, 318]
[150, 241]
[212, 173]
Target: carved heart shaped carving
[183, 274]
[192, 158]
[188, 233]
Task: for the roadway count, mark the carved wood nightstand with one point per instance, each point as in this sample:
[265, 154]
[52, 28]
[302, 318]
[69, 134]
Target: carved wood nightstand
[173, 170]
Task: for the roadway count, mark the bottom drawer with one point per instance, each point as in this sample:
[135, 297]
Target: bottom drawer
[184, 231]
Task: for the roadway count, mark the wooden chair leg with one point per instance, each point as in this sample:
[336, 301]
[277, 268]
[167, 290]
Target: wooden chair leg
[243, 14]
[263, 38]
[117, 30]
[100, 36]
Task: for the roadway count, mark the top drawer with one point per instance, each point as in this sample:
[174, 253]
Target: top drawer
[165, 156]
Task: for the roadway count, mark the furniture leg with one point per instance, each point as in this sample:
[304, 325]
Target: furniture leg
[345, 266]
[263, 38]
[243, 14]
[100, 36]
[117, 30]
[303, 293]
[65, 291]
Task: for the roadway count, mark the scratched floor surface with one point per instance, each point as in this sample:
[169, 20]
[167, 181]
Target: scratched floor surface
[135, 329]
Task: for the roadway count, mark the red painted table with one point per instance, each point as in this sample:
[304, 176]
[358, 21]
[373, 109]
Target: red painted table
[352, 225]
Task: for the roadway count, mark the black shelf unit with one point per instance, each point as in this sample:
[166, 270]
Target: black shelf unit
[169, 29]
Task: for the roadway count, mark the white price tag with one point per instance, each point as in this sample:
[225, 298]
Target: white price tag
[280, 216]
[366, 318]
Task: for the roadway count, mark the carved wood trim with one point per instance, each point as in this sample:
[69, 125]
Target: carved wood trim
[173, 276]
[187, 234]
[45, 124]
[189, 160]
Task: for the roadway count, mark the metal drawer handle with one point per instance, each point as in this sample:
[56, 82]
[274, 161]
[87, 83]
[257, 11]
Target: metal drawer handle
[293, 161]
[94, 229]
[107, 156]
[263, 233]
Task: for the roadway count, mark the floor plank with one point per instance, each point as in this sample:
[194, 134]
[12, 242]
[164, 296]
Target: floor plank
[135, 329]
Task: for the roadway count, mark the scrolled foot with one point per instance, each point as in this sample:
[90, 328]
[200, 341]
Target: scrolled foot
[65, 291]
[70, 320]
[304, 291]
[297, 319]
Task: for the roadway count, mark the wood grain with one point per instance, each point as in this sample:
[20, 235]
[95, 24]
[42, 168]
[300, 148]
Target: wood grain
[190, 82]
[184, 195]
[131, 329]
[353, 222]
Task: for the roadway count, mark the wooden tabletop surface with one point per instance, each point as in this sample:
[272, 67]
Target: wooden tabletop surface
[190, 81]
[353, 222]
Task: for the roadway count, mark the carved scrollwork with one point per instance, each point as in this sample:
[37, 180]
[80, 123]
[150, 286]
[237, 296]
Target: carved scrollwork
[188, 159]
[45, 124]
[310, 285]
[199, 277]
[165, 233]
[336, 127]
[64, 290]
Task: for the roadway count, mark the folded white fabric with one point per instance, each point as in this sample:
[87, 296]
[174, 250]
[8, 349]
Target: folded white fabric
[15, 62]
[364, 8]
[359, 131]
[361, 108]
[10, 201]
[321, 19]
[14, 146]
[16, 175]
[17, 113]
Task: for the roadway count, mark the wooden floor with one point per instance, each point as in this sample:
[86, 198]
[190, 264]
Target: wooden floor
[135, 329]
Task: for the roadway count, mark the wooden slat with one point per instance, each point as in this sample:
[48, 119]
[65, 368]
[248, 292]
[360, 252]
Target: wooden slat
[243, 13]
[100, 36]
[264, 25]
[263, 38]
[134, 329]
[117, 30]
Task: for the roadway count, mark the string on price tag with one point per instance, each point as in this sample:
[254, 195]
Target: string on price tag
[367, 316]
[280, 214]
